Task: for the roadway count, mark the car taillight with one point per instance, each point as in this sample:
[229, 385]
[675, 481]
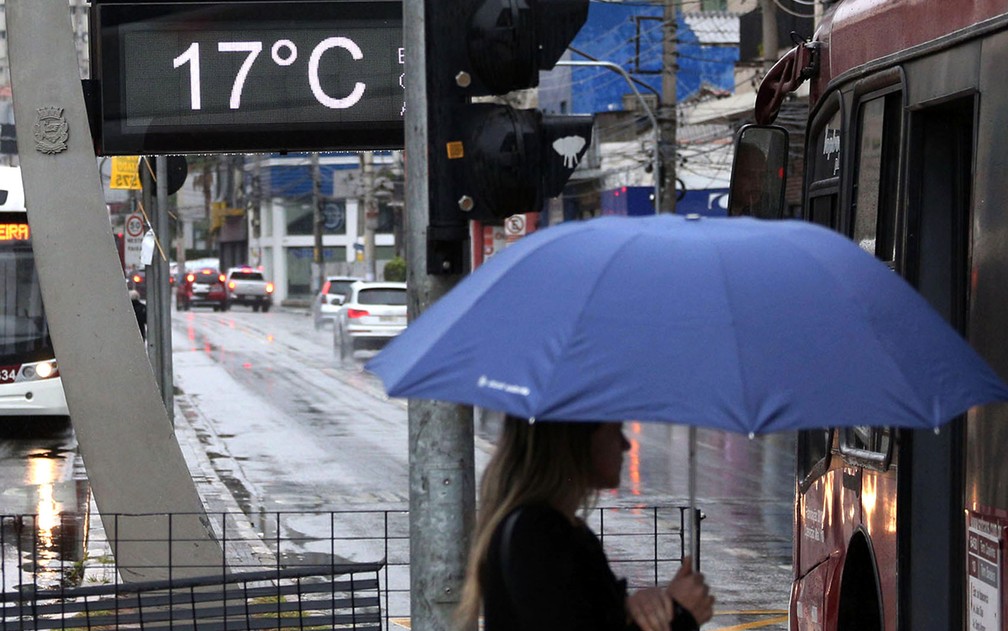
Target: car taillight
[222, 278]
[190, 277]
[231, 285]
[356, 313]
[136, 278]
[269, 288]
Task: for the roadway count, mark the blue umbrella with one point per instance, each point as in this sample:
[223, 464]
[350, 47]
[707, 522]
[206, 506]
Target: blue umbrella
[735, 324]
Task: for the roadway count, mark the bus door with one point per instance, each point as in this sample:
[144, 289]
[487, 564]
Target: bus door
[931, 523]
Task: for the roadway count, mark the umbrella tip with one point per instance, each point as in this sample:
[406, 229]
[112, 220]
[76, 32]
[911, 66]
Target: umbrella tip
[692, 216]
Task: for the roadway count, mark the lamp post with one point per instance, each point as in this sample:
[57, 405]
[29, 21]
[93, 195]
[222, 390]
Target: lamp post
[656, 130]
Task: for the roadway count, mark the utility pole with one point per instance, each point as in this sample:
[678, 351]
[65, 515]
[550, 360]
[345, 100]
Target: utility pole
[317, 258]
[667, 109]
[370, 214]
[770, 44]
[256, 220]
[442, 494]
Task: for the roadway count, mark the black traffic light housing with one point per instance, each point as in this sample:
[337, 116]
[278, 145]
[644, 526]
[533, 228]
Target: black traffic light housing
[488, 161]
[508, 161]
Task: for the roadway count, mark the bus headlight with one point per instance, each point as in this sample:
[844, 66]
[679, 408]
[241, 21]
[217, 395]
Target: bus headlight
[39, 370]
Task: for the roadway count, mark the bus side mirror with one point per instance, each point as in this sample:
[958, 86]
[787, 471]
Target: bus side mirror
[759, 172]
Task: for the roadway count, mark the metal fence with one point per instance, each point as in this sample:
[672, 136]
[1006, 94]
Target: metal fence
[645, 544]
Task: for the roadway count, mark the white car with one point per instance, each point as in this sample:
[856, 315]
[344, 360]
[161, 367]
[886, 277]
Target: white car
[330, 298]
[372, 313]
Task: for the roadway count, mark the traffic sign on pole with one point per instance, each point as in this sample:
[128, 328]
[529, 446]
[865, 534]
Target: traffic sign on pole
[133, 235]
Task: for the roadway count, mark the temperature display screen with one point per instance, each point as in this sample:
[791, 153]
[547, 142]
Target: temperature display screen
[195, 77]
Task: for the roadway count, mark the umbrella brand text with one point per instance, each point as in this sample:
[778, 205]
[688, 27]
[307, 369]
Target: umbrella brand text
[510, 388]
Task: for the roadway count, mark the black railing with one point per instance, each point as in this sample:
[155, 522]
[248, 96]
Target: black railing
[645, 544]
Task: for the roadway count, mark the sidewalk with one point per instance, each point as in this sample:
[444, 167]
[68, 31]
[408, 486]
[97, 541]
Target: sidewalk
[191, 432]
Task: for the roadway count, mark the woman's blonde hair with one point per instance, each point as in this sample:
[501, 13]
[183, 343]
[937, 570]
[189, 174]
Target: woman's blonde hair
[535, 463]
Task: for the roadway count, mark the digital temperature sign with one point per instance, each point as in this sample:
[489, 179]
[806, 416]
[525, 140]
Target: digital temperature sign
[248, 76]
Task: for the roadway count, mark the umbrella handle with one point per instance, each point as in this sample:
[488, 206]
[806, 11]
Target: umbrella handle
[694, 535]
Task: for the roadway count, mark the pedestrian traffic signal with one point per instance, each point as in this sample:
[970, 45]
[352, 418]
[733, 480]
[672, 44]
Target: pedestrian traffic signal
[488, 161]
[509, 161]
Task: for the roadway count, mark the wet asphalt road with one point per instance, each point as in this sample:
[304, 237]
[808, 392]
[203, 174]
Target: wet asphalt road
[283, 425]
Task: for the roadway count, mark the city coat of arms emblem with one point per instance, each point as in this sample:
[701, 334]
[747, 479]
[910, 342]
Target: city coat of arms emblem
[51, 130]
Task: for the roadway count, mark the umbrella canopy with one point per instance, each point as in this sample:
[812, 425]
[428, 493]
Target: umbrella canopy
[736, 324]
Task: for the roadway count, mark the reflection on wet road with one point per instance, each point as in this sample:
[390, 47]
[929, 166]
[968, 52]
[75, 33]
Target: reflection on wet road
[44, 503]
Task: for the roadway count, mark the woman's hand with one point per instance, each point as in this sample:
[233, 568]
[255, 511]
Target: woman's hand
[691, 592]
[650, 608]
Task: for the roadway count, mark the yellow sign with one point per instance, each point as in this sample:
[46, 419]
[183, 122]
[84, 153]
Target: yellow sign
[124, 173]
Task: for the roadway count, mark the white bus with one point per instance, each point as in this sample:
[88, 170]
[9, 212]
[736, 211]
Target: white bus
[30, 384]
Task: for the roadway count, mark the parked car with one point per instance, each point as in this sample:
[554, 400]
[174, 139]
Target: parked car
[202, 287]
[330, 298]
[372, 313]
[248, 286]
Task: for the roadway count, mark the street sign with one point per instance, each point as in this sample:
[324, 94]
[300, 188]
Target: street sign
[124, 173]
[133, 235]
[248, 76]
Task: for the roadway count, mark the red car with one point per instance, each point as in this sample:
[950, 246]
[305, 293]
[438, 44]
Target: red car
[202, 287]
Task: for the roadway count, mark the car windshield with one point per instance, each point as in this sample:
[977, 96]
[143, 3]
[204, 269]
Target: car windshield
[382, 296]
[339, 286]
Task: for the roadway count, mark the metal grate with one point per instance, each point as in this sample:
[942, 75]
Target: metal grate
[285, 556]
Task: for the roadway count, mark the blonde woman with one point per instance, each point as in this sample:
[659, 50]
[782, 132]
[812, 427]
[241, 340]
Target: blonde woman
[535, 564]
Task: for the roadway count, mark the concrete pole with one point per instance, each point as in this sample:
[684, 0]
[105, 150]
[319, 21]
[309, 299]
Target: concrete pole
[370, 214]
[667, 111]
[441, 463]
[159, 267]
[318, 259]
[255, 231]
[770, 44]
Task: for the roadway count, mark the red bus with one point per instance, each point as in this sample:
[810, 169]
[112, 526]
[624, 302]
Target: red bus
[905, 152]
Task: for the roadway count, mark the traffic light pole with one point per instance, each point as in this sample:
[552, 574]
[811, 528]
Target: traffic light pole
[442, 496]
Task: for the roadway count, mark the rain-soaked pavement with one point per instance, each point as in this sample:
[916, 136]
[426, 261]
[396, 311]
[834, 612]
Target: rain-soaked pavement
[271, 421]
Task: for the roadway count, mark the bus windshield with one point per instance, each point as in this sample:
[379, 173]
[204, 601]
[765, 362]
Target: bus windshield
[24, 334]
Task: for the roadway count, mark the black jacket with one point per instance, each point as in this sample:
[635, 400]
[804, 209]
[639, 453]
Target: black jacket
[555, 577]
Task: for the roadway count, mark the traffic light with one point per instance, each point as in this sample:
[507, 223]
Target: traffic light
[488, 161]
